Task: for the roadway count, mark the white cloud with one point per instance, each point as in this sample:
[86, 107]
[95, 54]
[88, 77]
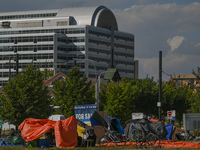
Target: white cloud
[166, 27]
[175, 42]
[154, 24]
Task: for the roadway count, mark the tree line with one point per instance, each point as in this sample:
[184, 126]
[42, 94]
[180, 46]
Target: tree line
[24, 96]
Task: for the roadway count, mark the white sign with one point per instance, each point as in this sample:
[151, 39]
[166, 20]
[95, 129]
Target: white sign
[171, 114]
[137, 116]
[158, 104]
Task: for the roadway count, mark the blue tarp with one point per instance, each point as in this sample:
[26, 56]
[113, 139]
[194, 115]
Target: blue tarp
[94, 122]
[117, 124]
[169, 128]
[114, 123]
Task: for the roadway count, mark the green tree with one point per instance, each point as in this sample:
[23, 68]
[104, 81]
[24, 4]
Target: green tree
[75, 90]
[25, 97]
[195, 102]
[145, 96]
[128, 96]
[118, 98]
[177, 99]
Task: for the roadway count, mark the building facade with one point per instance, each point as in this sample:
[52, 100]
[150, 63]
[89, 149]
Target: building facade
[59, 39]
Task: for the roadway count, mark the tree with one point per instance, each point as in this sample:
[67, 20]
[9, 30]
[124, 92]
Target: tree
[195, 102]
[145, 96]
[75, 90]
[25, 97]
[128, 96]
[176, 99]
[118, 98]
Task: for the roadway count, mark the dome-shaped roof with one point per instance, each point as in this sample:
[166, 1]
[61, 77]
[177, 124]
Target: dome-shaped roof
[94, 16]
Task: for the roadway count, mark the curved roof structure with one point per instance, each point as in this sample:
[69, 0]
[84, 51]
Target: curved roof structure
[94, 16]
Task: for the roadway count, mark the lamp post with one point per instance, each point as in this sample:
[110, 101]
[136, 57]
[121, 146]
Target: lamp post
[96, 83]
[160, 86]
[99, 78]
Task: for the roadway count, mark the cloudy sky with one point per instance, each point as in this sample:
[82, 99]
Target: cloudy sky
[170, 26]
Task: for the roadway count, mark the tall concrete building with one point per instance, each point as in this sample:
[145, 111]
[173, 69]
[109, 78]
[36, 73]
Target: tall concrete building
[53, 39]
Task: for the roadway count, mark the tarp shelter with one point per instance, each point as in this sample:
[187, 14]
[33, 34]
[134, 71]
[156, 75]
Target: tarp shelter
[158, 128]
[98, 120]
[65, 130]
[81, 127]
[169, 128]
[115, 125]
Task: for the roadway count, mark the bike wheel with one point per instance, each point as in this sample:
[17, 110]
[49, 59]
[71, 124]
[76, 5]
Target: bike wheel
[138, 136]
[153, 140]
[104, 141]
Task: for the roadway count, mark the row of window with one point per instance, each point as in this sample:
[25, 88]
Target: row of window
[34, 39]
[108, 61]
[64, 31]
[28, 16]
[98, 41]
[104, 42]
[104, 51]
[34, 48]
[101, 33]
[29, 56]
[71, 48]
[23, 65]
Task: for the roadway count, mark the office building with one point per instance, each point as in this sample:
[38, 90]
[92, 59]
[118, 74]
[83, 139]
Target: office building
[54, 39]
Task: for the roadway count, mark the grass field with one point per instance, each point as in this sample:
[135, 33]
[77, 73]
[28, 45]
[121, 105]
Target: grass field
[93, 148]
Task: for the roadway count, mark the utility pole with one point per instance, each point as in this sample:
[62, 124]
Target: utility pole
[160, 85]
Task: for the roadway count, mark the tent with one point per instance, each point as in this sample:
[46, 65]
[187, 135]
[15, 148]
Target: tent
[65, 130]
[114, 123]
[156, 127]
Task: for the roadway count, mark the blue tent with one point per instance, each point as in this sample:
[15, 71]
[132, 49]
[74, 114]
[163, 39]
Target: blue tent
[114, 123]
[169, 128]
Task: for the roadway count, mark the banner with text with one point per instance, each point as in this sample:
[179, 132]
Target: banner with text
[84, 112]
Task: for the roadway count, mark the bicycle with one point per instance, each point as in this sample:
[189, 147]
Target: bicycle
[112, 136]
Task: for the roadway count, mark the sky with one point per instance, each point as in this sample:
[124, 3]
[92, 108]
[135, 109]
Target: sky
[170, 26]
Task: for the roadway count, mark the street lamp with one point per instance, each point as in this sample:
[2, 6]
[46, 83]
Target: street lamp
[96, 86]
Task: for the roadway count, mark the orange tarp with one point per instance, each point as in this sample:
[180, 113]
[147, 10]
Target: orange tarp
[179, 144]
[65, 130]
[164, 143]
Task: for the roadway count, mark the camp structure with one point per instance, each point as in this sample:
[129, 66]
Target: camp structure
[65, 131]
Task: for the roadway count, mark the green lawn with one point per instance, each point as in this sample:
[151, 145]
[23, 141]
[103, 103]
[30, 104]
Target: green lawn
[92, 148]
